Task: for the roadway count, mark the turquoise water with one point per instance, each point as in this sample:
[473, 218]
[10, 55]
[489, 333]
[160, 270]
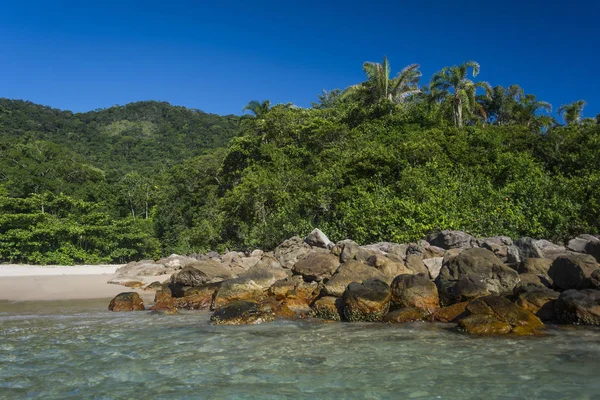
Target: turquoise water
[60, 351]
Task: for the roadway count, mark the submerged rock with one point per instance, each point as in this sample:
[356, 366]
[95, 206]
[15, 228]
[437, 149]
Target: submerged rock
[241, 313]
[404, 315]
[367, 301]
[451, 313]
[126, 301]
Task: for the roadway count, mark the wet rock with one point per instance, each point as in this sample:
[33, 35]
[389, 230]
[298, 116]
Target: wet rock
[415, 291]
[367, 301]
[351, 271]
[451, 240]
[433, 265]
[328, 307]
[537, 300]
[318, 239]
[451, 313]
[290, 251]
[477, 267]
[572, 271]
[404, 315]
[237, 289]
[163, 300]
[492, 315]
[241, 313]
[316, 266]
[295, 292]
[126, 301]
[134, 284]
[198, 298]
[579, 307]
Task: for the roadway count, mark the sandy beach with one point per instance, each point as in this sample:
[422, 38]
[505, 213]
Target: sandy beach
[48, 283]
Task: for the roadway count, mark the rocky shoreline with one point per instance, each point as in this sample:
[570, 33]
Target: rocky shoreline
[485, 286]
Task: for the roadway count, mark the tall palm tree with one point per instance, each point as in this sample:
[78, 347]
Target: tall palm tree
[571, 113]
[380, 85]
[452, 85]
[257, 108]
[528, 109]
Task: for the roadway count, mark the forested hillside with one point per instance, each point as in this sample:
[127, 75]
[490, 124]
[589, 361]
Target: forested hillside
[390, 159]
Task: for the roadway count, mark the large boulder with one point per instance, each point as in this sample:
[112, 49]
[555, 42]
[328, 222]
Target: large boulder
[264, 276]
[415, 264]
[200, 273]
[527, 248]
[176, 261]
[415, 291]
[593, 249]
[133, 272]
[163, 300]
[480, 269]
[451, 240]
[328, 307]
[126, 301]
[316, 266]
[493, 315]
[237, 289]
[388, 248]
[351, 271]
[550, 250]
[579, 244]
[579, 307]
[295, 293]
[198, 298]
[498, 245]
[290, 251]
[572, 271]
[241, 313]
[367, 301]
[451, 313]
[538, 300]
[391, 266]
[537, 266]
[318, 239]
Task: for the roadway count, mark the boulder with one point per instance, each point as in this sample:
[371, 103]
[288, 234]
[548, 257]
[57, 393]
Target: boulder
[200, 273]
[176, 261]
[416, 265]
[415, 291]
[349, 250]
[572, 271]
[527, 248]
[498, 245]
[367, 301]
[351, 271]
[295, 293]
[480, 270]
[133, 271]
[257, 253]
[198, 298]
[538, 300]
[164, 301]
[579, 307]
[593, 248]
[126, 301]
[579, 243]
[404, 315]
[451, 240]
[316, 266]
[550, 250]
[154, 286]
[451, 313]
[290, 251]
[318, 239]
[387, 266]
[532, 280]
[388, 248]
[241, 313]
[236, 289]
[264, 276]
[493, 315]
[538, 266]
[328, 307]
[433, 265]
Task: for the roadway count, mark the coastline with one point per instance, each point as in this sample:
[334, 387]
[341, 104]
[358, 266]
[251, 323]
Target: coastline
[21, 283]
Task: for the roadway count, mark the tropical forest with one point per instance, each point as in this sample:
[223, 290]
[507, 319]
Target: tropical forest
[392, 158]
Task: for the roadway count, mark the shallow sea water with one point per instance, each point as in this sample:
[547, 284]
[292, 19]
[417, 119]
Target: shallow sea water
[61, 351]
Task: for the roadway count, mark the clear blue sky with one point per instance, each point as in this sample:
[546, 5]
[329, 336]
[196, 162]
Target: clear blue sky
[82, 55]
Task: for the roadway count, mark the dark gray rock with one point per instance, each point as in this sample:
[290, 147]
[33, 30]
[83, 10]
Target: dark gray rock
[579, 307]
[451, 240]
[367, 301]
[572, 271]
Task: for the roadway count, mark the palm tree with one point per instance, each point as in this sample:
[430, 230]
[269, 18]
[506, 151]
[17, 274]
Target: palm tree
[452, 85]
[571, 113]
[380, 86]
[528, 109]
[257, 108]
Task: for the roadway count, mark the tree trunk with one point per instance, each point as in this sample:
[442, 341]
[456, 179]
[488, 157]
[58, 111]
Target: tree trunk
[459, 119]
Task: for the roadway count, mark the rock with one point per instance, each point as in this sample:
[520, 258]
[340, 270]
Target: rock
[134, 284]
[387, 266]
[579, 307]
[134, 270]
[154, 286]
[295, 293]
[278, 309]
[199, 297]
[492, 315]
[351, 271]
[290, 251]
[241, 313]
[316, 266]
[200, 273]
[579, 243]
[532, 280]
[512, 255]
[528, 248]
[416, 265]
[257, 253]
[268, 261]
[349, 250]
[572, 271]
[127, 301]
[388, 248]
[415, 291]
[176, 261]
[498, 245]
[328, 307]
[593, 249]
[433, 265]
[367, 301]
[163, 300]
[237, 289]
[481, 271]
[538, 266]
[549, 249]
[404, 315]
[263, 276]
[451, 313]
[451, 240]
[318, 239]
[537, 300]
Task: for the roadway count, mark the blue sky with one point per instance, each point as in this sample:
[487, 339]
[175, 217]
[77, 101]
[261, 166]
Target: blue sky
[83, 55]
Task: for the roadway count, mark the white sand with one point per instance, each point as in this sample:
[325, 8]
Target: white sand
[36, 283]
